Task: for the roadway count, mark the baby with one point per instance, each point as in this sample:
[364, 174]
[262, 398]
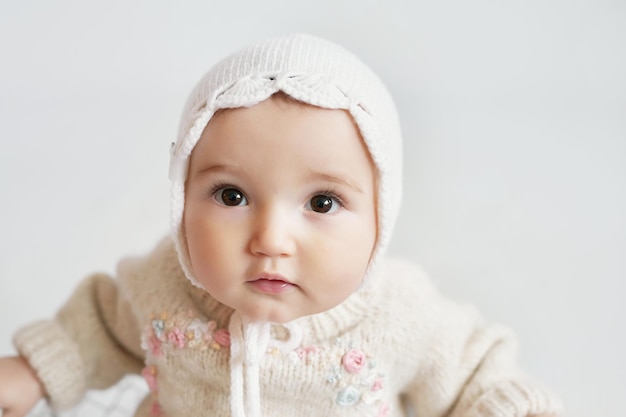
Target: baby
[272, 296]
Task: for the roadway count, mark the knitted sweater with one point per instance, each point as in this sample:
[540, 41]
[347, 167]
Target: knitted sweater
[395, 342]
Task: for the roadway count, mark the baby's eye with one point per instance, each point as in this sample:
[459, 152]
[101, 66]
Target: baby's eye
[323, 203]
[230, 197]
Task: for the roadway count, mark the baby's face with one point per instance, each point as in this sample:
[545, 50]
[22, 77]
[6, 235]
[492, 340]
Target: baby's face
[280, 210]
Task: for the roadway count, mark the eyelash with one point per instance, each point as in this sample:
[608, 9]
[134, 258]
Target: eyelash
[325, 192]
[212, 193]
[219, 186]
[332, 194]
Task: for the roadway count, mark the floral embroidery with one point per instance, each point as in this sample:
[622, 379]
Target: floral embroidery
[179, 331]
[334, 376]
[353, 361]
[303, 351]
[154, 345]
[378, 384]
[200, 328]
[149, 373]
[348, 396]
[383, 411]
[352, 373]
[177, 338]
[158, 326]
[222, 337]
[155, 410]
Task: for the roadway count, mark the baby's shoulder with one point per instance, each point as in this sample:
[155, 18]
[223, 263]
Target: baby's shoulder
[402, 278]
[157, 274]
[405, 286]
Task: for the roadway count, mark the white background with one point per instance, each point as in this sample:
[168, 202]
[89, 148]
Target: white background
[514, 116]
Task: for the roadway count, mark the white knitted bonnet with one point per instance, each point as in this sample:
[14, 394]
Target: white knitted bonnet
[311, 70]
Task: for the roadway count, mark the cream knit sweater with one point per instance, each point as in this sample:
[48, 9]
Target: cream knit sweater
[393, 343]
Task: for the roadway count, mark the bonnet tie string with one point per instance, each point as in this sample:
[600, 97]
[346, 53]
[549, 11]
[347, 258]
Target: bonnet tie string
[249, 342]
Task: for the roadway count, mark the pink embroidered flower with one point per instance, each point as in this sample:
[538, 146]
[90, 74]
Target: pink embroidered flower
[384, 411]
[177, 338]
[378, 384]
[353, 361]
[154, 344]
[155, 410]
[222, 337]
[149, 374]
[305, 350]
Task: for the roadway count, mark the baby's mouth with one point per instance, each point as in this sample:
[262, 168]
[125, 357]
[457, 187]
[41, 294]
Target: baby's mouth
[271, 284]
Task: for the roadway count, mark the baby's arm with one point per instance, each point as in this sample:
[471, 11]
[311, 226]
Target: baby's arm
[466, 369]
[474, 373]
[20, 389]
[92, 343]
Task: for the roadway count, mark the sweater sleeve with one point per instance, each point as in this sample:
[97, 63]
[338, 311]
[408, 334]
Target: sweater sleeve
[91, 344]
[493, 384]
[472, 372]
[466, 368]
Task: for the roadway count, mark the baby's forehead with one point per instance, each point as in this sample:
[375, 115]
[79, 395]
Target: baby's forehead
[284, 150]
[279, 126]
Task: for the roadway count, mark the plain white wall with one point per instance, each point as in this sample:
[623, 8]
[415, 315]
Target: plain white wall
[514, 115]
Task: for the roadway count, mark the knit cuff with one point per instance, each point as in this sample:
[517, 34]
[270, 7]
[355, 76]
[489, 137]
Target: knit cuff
[56, 361]
[517, 398]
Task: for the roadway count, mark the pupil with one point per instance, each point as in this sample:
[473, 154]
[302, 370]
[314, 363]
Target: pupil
[231, 197]
[321, 203]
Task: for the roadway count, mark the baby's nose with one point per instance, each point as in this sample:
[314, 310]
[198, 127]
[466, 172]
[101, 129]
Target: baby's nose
[272, 233]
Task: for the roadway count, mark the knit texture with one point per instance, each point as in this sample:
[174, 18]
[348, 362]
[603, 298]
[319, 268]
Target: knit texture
[314, 71]
[55, 358]
[396, 337]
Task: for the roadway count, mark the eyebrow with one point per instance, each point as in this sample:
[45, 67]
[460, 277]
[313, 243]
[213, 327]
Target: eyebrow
[337, 179]
[313, 175]
[213, 168]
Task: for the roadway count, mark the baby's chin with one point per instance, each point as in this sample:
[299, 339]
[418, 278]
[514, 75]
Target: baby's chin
[276, 310]
[275, 313]
[282, 313]
[275, 316]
